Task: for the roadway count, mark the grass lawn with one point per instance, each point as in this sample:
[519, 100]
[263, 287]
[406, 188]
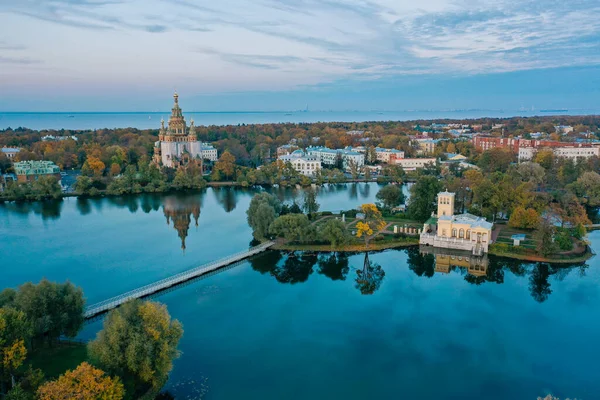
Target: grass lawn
[56, 360]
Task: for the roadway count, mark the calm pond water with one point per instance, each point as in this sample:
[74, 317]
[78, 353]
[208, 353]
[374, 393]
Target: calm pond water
[405, 324]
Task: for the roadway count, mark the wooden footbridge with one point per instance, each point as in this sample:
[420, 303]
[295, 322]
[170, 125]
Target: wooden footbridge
[144, 291]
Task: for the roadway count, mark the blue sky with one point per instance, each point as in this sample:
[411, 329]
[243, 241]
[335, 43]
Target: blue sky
[129, 55]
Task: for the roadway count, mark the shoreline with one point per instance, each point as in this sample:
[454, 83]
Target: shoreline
[354, 248]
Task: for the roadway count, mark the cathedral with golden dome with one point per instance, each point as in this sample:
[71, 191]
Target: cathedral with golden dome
[177, 144]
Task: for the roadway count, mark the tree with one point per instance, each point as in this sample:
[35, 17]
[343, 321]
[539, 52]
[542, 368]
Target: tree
[587, 188]
[189, 177]
[524, 218]
[261, 213]
[292, 227]
[496, 159]
[225, 165]
[83, 383]
[334, 231]
[371, 156]
[115, 169]
[371, 224]
[544, 236]
[545, 158]
[422, 198]
[367, 174]
[93, 166]
[390, 196]
[18, 393]
[531, 172]
[54, 309]
[310, 205]
[354, 169]
[46, 187]
[139, 343]
[83, 185]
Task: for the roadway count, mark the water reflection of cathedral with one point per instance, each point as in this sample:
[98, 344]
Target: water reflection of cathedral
[446, 260]
[180, 210]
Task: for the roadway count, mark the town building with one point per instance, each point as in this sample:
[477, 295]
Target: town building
[10, 152]
[571, 152]
[29, 171]
[483, 143]
[355, 133]
[383, 155]
[208, 152]
[455, 157]
[459, 232]
[330, 157]
[177, 144]
[304, 164]
[563, 129]
[286, 149]
[52, 138]
[387, 155]
[425, 146]
[411, 164]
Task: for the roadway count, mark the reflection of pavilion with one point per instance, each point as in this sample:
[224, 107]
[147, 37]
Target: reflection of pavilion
[180, 210]
[446, 259]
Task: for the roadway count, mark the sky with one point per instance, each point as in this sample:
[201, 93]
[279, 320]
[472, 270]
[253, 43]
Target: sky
[273, 55]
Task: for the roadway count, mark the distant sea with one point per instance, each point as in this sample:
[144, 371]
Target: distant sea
[151, 120]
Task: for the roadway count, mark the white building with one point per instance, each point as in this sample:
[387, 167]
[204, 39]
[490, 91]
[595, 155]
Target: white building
[305, 165]
[51, 138]
[208, 152]
[176, 144]
[10, 151]
[329, 157]
[410, 164]
[571, 152]
[387, 155]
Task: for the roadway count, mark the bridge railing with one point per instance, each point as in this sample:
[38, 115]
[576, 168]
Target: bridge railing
[172, 280]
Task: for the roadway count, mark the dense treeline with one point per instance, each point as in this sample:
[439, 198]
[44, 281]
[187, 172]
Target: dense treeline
[252, 145]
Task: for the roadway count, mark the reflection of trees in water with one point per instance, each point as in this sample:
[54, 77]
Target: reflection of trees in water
[365, 190]
[334, 266]
[353, 192]
[180, 210]
[84, 205]
[420, 264]
[226, 197]
[47, 209]
[539, 287]
[296, 267]
[369, 279]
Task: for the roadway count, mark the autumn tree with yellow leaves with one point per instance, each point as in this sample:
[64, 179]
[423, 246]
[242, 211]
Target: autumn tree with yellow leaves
[83, 383]
[371, 224]
[138, 343]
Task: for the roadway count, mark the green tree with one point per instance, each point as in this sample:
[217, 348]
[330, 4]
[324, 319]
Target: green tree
[496, 159]
[292, 227]
[46, 187]
[139, 343]
[390, 196]
[54, 309]
[422, 198]
[334, 231]
[310, 204]
[83, 185]
[587, 188]
[261, 213]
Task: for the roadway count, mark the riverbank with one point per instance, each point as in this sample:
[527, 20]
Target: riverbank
[350, 248]
[586, 255]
